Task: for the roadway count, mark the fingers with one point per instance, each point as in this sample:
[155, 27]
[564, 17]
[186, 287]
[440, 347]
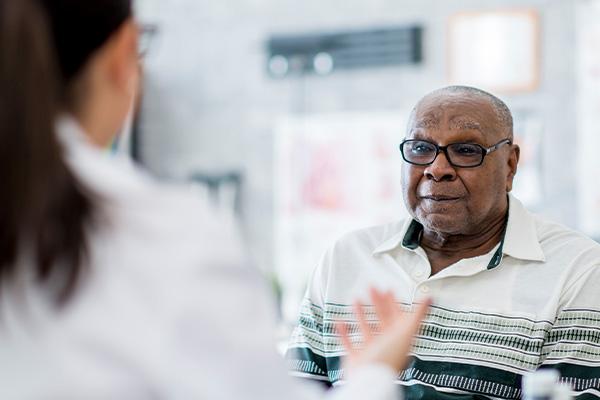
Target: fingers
[342, 330]
[385, 307]
[389, 313]
[392, 346]
[365, 329]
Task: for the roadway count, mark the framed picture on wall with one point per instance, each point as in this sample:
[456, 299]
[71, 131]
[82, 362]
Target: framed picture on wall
[495, 50]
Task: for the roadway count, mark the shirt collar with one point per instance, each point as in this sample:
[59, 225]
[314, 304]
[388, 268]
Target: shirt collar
[519, 239]
[112, 176]
[69, 132]
[395, 240]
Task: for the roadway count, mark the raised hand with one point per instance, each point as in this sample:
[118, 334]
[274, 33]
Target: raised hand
[392, 343]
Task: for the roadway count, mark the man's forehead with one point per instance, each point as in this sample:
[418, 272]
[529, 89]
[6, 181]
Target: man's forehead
[458, 112]
[432, 121]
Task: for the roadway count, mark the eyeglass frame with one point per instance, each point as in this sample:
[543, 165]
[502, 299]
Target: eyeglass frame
[147, 35]
[444, 149]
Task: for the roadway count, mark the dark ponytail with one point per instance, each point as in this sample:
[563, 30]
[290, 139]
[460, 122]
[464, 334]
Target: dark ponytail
[44, 211]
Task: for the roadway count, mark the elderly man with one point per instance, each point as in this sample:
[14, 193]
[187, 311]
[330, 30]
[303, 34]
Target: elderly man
[512, 292]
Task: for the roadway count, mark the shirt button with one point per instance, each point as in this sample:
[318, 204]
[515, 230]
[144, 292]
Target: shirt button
[424, 289]
[418, 274]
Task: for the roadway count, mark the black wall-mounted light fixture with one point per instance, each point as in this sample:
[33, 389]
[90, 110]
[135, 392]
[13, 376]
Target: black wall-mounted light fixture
[323, 53]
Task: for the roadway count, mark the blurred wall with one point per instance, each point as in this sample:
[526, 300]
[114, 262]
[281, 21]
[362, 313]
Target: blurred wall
[210, 106]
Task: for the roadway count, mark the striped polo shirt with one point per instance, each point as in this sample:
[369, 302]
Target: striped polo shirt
[531, 302]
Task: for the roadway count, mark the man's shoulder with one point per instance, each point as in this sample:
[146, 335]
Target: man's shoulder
[566, 248]
[552, 234]
[369, 238]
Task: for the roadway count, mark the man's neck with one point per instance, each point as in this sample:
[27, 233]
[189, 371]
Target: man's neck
[445, 250]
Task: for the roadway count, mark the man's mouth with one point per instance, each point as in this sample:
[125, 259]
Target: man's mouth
[440, 197]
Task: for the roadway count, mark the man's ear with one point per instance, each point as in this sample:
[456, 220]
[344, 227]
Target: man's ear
[513, 161]
[123, 57]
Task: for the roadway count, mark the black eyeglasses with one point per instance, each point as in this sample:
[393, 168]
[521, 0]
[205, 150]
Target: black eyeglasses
[463, 155]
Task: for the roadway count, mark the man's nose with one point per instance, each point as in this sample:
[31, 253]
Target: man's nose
[440, 169]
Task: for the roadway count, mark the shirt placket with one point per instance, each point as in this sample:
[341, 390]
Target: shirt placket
[424, 284]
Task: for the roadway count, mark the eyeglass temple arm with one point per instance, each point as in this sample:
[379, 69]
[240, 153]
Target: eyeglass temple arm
[496, 146]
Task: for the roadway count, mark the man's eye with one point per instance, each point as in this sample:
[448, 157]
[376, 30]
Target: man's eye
[466, 150]
[422, 148]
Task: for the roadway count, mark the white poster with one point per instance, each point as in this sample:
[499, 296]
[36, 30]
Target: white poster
[588, 116]
[333, 174]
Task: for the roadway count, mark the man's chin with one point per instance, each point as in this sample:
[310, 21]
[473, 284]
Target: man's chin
[444, 224]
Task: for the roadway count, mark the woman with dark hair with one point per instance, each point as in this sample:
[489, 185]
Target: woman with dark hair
[112, 286]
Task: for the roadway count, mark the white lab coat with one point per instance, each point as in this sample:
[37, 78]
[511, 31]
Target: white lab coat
[169, 310]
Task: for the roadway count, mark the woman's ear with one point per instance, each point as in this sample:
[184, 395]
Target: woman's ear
[123, 57]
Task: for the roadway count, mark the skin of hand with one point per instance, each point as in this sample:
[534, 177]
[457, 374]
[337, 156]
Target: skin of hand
[391, 344]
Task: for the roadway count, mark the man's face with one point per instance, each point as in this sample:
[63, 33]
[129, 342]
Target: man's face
[452, 200]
